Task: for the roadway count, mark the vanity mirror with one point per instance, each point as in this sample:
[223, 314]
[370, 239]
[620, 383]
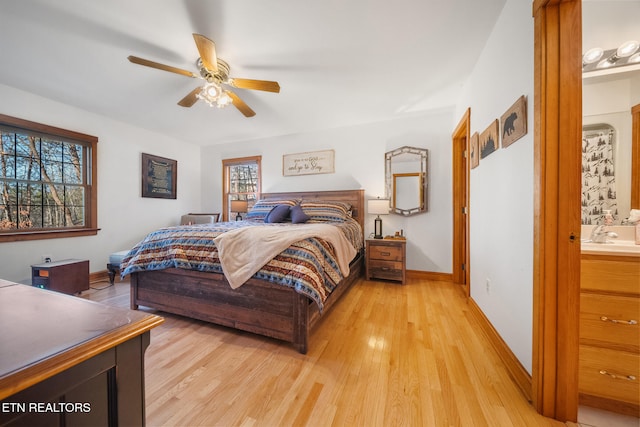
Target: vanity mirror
[406, 180]
[609, 177]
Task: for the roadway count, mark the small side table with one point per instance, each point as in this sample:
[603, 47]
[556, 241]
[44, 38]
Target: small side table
[386, 259]
[70, 276]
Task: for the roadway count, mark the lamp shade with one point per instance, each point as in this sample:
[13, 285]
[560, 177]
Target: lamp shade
[239, 206]
[378, 206]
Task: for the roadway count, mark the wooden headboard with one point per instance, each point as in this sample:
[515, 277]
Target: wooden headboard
[354, 197]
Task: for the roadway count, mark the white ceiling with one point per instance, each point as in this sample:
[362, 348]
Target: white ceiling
[338, 62]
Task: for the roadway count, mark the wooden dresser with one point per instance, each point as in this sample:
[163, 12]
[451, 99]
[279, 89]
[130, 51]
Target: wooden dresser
[67, 361]
[386, 259]
[610, 333]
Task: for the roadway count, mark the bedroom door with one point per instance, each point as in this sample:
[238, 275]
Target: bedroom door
[460, 141]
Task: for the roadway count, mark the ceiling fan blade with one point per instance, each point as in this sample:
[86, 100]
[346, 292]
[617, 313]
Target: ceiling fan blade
[207, 50]
[147, 63]
[240, 105]
[190, 99]
[265, 85]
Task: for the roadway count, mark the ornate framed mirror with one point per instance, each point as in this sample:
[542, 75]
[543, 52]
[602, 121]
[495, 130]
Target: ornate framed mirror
[406, 179]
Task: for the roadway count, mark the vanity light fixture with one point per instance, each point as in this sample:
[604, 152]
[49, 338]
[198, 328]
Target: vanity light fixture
[378, 207]
[625, 54]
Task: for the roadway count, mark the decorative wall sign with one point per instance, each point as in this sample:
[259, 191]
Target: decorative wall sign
[159, 177]
[474, 148]
[489, 139]
[310, 163]
[513, 122]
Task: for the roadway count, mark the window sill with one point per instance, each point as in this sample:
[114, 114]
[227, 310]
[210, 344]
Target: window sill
[48, 234]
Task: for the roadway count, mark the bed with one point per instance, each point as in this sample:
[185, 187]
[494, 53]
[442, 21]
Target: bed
[258, 306]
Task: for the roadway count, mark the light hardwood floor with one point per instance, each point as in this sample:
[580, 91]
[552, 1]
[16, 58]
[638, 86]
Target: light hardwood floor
[386, 355]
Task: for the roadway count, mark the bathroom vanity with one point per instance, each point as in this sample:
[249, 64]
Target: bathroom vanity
[609, 329]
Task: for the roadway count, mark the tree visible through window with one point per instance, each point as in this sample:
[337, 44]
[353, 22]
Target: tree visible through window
[241, 183]
[46, 180]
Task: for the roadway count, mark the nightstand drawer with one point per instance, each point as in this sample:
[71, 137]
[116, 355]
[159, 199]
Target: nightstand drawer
[386, 259]
[385, 252]
[391, 270]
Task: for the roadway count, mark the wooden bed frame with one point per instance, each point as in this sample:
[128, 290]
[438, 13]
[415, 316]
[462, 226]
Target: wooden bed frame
[257, 306]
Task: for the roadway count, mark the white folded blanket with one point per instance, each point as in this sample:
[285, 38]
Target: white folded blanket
[246, 250]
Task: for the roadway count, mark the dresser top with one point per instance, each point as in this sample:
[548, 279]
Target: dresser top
[38, 326]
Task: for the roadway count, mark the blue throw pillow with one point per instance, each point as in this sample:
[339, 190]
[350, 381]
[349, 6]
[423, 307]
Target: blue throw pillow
[297, 215]
[278, 214]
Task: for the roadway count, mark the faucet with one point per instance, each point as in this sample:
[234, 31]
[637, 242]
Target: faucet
[600, 234]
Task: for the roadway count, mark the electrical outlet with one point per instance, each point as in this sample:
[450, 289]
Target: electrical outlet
[488, 287]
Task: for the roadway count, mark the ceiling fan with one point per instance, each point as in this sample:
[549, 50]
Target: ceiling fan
[215, 72]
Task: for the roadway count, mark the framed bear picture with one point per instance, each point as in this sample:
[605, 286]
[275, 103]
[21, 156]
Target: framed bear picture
[513, 123]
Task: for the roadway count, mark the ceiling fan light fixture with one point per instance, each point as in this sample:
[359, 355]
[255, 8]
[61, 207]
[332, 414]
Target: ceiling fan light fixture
[215, 72]
[213, 95]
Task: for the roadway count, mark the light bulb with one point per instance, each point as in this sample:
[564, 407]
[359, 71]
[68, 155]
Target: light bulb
[634, 59]
[627, 48]
[223, 100]
[605, 63]
[592, 55]
[212, 91]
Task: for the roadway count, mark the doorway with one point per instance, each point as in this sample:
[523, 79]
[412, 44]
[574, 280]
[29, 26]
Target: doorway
[557, 169]
[460, 153]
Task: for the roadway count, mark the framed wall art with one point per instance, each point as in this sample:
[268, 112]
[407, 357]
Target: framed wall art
[159, 177]
[474, 151]
[513, 123]
[310, 163]
[489, 140]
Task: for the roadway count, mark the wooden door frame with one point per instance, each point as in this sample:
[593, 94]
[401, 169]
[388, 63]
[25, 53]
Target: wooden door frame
[460, 141]
[557, 148]
[635, 157]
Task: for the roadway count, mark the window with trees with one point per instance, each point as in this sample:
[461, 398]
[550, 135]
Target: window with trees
[241, 182]
[47, 181]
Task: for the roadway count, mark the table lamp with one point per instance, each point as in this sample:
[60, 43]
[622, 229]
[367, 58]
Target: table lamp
[378, 207]
[239, 207]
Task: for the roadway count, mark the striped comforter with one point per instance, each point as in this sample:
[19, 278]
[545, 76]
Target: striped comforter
[309, 266]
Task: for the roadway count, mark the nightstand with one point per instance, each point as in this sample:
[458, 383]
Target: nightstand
[386, 259]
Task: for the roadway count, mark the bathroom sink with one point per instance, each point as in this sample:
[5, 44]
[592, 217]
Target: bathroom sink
[612, 247]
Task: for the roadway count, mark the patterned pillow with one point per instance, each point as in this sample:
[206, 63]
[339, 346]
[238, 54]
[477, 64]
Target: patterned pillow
[262, 208]
[326, 210]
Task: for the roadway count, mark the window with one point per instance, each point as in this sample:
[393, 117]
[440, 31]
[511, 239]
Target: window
[47, 181]
[241, 180]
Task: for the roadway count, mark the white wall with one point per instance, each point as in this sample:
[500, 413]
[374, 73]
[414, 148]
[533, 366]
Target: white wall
[124, 217]
[359, 163]
[501, 187]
